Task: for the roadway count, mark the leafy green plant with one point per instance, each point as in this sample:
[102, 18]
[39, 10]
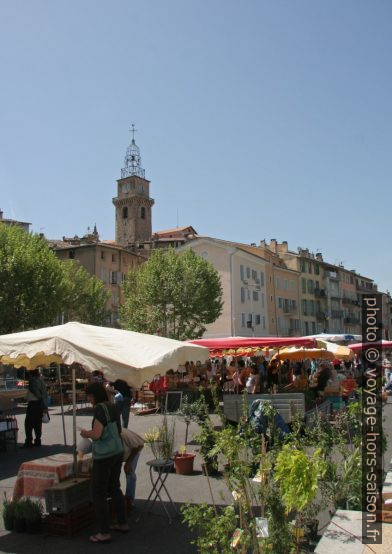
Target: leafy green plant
[298, 475]
[213, 529]
[8, 509]
[191, 411]
[32, 510]
[161, 440]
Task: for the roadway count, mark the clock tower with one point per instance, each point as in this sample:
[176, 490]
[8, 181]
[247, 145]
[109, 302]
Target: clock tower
[133, 203]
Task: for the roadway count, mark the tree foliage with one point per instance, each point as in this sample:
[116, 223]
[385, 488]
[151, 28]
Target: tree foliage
[85, 296]
[172, 294]
[30, 281]
[36, 287]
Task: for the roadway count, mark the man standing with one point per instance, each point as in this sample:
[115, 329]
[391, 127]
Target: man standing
[133, 445]
[37, 404]
[123, 400]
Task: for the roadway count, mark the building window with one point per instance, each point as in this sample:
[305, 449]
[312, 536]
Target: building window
[113, 278]
[242, 294]
[249, 321]
[262, 278]
[313, 327]
[280, 302]
[125, 212]
[304, 307]
[242, 320]
[303, 266]
[255, 296]
[102, 255]
[286, 284]
[317, 269]
[310, 286]
[310, 268]
[254, 274]
[242, 273]
[257, 320]
[277, 283]
[113, 257]
[143, 212]
[248, 293]
[248, 272]
[306, 328]
[303, 285]
[71, 254]
[262, 299]
[263, 321]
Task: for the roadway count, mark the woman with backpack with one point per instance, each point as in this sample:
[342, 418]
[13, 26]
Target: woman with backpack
[108, 455]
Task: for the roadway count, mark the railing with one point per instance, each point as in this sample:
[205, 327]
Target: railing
[352, 319]
[320, 293]
[348, 300]
[320, 316]
[336, 314]
[332, 275]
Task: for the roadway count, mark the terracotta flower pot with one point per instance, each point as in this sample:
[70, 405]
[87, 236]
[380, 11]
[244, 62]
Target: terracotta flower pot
[184, 463]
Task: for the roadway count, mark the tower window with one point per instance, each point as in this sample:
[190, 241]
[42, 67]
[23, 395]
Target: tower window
[143, 212]
[125, 212]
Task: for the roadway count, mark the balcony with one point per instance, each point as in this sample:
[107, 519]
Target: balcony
[332, 275]
[335, 296]
[337, 314]
[320, 293]
[368, 288]
[350, 301]
[320, 316]
[289, 308]
[353, 320]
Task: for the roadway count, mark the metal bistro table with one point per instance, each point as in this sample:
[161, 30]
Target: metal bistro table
[159, 470]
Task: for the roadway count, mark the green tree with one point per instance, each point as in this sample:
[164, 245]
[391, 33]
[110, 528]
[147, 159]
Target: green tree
[30, 281]
[173, 294]
[84, 296]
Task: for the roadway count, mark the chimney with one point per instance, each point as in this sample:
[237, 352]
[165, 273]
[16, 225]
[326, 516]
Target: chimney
[273, 245]
[319, 256]
[283, 247]
[262, 243]
[1, 214]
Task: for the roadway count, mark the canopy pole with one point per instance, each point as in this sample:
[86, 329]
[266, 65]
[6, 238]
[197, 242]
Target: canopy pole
[62, 403]
[75, 460]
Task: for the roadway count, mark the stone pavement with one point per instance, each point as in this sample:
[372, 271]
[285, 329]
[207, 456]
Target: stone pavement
[152, 534]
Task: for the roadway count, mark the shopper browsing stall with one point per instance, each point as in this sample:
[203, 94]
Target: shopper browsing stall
[108, 455]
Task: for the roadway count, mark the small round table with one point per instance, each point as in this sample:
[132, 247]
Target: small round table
[159, 470]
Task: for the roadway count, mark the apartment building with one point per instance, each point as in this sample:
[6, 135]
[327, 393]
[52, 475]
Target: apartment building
[106, 260]
[244, 282]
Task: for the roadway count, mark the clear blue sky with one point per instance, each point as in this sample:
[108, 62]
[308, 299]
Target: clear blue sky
[256, 119]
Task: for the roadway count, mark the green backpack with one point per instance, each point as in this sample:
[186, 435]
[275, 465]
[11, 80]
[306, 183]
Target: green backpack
[109, 444]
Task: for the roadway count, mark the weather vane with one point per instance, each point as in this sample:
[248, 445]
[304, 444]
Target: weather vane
[133, 131]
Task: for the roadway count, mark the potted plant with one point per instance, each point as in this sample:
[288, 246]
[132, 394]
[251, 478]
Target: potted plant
[20, 520]
[161, 440]
[191, 411]
[8, 513]
[297, 475]
[33, 515]
[183, 461]
[207, 441]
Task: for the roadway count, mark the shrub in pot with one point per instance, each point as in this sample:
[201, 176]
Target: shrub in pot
[183, 461]
[33, 515]
[8, 513]
[19, 520]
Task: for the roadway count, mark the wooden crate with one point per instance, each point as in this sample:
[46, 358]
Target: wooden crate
[69, 524]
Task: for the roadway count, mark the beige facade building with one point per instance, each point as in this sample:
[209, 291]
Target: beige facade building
[6, 221]
[244, 283]
[106, 260]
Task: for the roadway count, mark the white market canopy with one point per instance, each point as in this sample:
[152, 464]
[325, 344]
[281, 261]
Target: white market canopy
[134, 357]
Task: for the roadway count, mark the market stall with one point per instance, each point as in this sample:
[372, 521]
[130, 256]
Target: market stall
[133, 357]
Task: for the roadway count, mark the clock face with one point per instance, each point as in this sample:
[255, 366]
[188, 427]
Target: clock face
[126, 187]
